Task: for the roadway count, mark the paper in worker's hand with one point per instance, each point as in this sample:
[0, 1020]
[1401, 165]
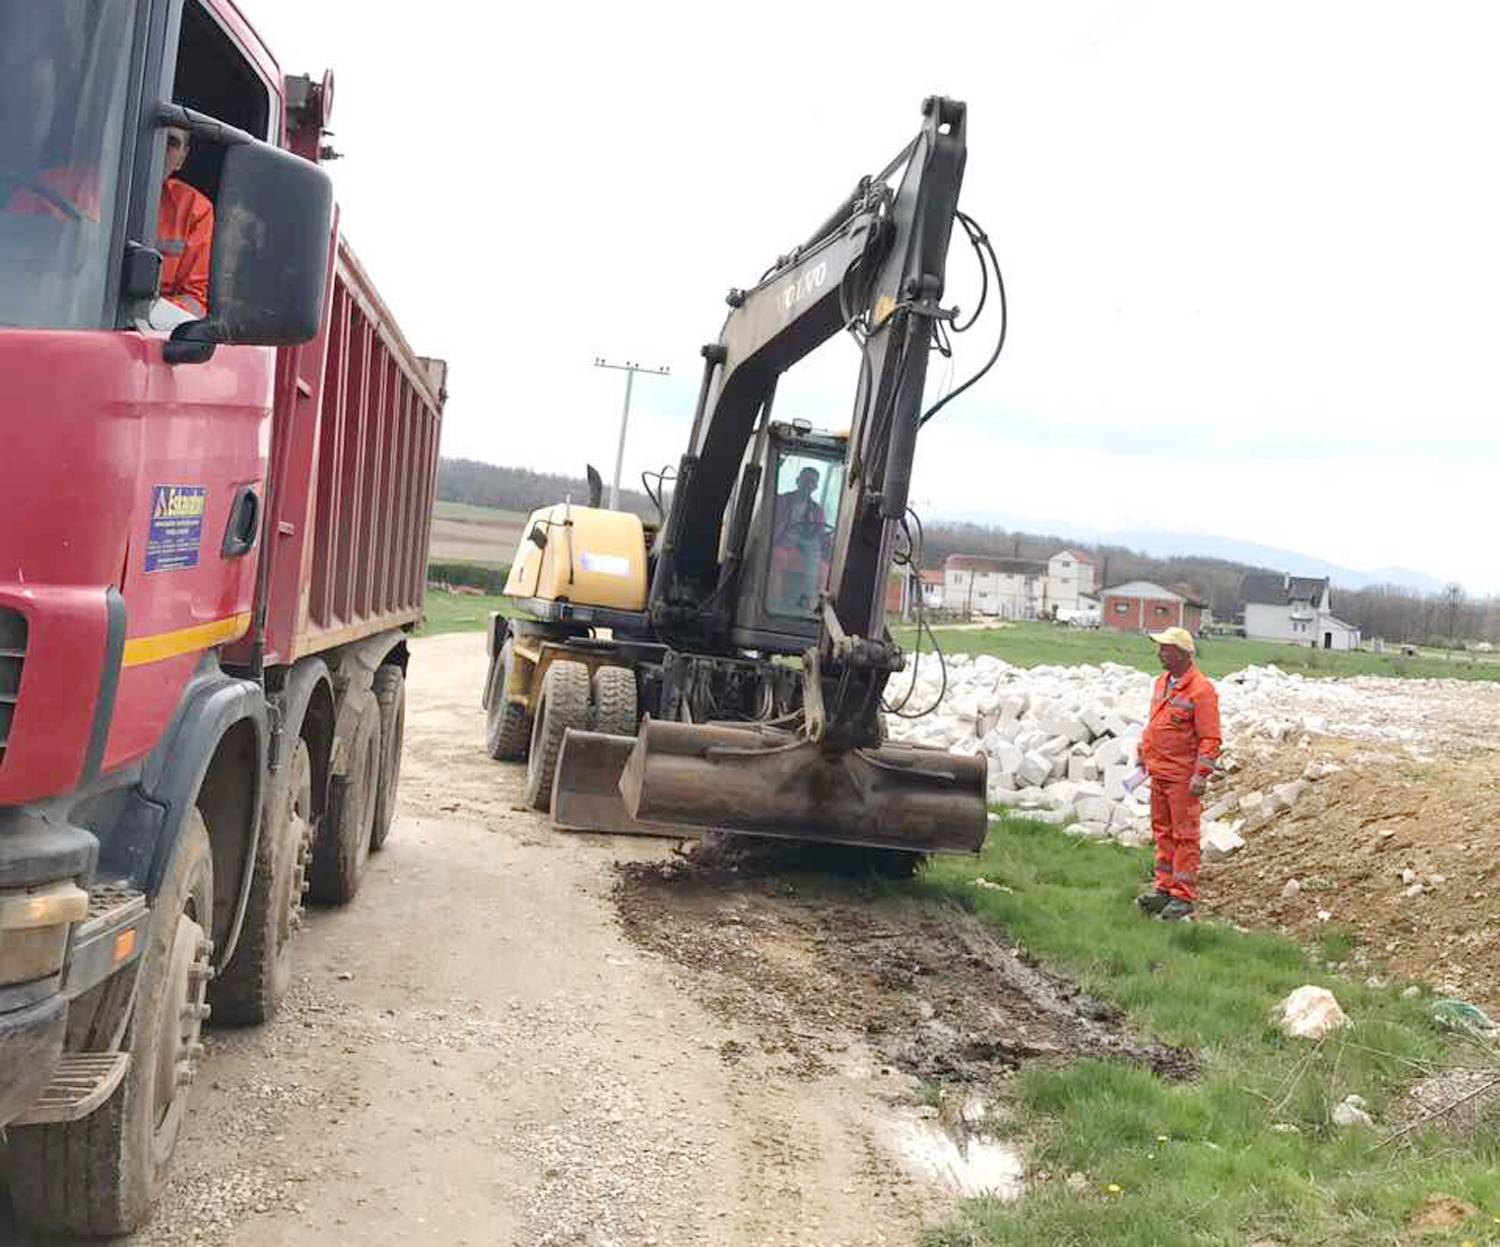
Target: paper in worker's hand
[1135, 779]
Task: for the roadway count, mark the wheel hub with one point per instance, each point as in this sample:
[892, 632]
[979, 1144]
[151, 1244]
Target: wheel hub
[179, 1046]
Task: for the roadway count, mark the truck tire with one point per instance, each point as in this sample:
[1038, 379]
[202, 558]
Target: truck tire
[507, 726]
[342, 847]
[102, 1174]
[248, 990]
[614, 701]
[564, 704]
[390, 696]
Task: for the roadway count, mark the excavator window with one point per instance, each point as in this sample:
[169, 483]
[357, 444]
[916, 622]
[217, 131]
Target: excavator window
[808, 488]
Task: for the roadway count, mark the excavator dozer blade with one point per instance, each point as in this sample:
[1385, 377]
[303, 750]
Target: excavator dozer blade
[764, 782]
[586, 788]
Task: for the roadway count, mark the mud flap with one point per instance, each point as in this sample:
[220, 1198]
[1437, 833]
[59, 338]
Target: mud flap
[586, 788]
[762, 781]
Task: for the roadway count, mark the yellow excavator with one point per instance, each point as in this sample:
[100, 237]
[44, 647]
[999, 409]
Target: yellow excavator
[725, 667]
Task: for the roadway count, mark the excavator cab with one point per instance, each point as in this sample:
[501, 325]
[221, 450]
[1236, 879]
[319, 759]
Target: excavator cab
[799, 484]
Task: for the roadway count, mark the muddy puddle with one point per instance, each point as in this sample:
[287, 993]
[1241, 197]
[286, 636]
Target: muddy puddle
[967, 1164]
[819, 966]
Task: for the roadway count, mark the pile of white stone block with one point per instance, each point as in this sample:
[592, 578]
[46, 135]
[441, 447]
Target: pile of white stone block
[1061, 741]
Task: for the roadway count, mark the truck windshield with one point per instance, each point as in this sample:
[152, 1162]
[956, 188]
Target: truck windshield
[64, 66]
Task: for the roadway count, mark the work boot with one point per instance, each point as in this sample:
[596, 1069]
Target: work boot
[1175, 910]
[1153, 902]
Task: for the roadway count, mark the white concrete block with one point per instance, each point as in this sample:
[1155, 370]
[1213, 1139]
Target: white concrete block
[1062, 793]
[1094, 719]
[1034, 769]
[1074, 729]
[1094, 809]
[1055, 746]
[1114, 781]
[1110, 753]
[1219, 841]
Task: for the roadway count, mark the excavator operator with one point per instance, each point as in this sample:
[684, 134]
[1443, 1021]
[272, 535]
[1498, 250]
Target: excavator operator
[799, 544]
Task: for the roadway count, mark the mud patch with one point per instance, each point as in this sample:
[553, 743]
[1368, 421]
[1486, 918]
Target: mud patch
[820, 968]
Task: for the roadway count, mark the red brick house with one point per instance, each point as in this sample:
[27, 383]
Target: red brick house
[1141, 606]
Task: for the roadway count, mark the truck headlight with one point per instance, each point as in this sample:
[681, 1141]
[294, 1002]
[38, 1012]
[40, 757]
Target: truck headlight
[34, 926]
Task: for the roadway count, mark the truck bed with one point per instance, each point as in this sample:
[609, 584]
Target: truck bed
[358, 418]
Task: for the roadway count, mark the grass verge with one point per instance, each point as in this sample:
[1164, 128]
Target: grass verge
[1202, 1162]
[455, 612]
[1036, 644]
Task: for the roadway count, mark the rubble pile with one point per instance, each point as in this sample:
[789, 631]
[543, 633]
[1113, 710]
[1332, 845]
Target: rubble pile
[1062, 741]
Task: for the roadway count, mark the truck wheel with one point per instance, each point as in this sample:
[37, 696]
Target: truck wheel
[564, 704]
[342, 847]
[250, 987]
[101, 1175]
[614, 701]
[507, 727]
[390, 695]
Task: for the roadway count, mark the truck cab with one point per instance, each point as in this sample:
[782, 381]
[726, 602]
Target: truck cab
[213, 528]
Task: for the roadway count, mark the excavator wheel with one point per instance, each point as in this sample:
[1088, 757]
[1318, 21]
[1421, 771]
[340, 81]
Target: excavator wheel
[507, 727]
[564, 703]
[614, 701]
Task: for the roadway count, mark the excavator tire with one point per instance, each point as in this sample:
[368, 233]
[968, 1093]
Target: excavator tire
[564, 703]
[615, 701]
[507, 726]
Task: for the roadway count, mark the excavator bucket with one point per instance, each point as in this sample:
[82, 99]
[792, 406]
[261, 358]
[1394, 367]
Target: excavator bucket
[586, 787]
[766, 782]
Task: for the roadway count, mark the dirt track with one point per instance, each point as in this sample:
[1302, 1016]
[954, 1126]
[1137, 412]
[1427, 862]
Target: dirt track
[520, 1036]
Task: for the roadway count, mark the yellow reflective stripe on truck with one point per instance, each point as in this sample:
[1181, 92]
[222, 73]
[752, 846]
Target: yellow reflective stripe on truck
[146, 649]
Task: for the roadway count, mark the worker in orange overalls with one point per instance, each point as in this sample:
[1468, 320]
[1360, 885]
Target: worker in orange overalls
[184, 233]
[1178, 749]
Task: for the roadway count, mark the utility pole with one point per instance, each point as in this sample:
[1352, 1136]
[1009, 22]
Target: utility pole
[629, 369]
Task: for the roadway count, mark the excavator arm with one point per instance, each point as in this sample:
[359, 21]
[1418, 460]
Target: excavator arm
[875, 268]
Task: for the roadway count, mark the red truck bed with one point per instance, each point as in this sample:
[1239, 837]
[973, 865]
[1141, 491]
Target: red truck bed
[358, 416]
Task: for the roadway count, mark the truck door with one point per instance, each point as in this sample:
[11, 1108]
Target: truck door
[204, 428]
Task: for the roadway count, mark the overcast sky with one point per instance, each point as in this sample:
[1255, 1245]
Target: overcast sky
[1251, 250]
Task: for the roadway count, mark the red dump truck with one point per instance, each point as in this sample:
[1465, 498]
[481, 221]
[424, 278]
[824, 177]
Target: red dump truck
[213, 537]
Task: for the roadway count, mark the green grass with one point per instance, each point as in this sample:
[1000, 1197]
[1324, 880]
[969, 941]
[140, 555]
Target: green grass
[476, 514]
[456, 612]
[1222, 1175]
[1036, 644]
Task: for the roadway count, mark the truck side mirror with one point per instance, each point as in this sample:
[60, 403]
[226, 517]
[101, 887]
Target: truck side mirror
[538, 537]
[273, 226]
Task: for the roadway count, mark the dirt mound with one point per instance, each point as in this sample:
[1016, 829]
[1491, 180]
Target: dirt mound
[1404, 850]
[814, 963]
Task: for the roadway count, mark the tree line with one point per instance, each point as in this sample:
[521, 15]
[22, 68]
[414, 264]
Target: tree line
[520, 489]
[1393, 612]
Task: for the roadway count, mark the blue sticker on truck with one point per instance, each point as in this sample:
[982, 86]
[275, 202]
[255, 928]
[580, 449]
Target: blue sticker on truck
[176, 527]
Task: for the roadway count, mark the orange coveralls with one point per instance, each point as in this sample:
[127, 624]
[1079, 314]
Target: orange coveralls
[184, 235]
[1181, 741]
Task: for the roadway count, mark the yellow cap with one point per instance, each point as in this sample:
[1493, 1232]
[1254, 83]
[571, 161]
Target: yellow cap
[1180, 637]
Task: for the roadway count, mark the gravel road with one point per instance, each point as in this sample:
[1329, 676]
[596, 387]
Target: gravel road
[477, 1052]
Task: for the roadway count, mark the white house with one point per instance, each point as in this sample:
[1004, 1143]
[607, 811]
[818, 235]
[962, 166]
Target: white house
[1295, 609]
[1016, 588]
[1070, 579]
